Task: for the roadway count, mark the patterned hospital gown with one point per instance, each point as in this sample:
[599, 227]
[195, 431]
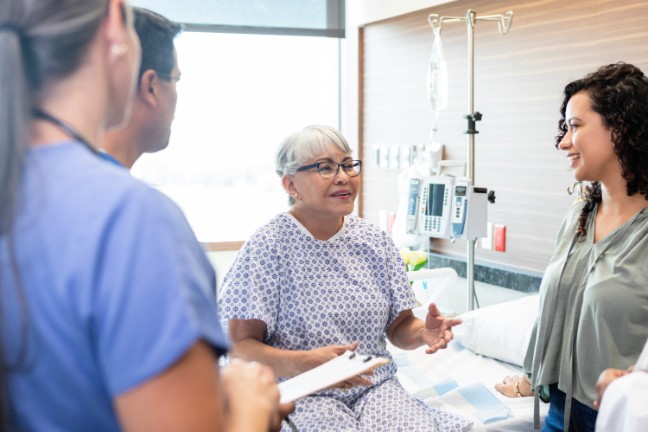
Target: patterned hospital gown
[312, 293]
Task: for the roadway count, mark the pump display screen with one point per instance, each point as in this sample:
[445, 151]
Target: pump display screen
[435, 200]
[460, 190]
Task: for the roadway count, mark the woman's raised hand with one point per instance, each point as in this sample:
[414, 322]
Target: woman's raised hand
[438, 329]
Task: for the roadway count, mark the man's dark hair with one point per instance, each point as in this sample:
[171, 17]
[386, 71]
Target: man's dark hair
[156, 34]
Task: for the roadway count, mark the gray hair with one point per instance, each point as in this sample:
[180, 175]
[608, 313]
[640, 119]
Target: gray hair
[306, 144]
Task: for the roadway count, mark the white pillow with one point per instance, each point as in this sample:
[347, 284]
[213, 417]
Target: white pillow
[501, 331]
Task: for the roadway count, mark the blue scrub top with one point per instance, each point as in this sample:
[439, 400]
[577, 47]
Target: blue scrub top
[116, 286]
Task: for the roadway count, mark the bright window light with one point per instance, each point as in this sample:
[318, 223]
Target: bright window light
[239, 97]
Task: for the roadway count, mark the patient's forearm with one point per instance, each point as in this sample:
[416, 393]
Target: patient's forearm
[408, 333]
[248, 344]
[284, 363]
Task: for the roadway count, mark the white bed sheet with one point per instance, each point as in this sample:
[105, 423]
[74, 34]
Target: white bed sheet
[421, 373]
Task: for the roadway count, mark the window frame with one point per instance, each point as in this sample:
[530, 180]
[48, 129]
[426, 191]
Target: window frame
[234, 243]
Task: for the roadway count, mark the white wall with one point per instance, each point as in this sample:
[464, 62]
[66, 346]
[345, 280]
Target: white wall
[358, 14]
[221, 261]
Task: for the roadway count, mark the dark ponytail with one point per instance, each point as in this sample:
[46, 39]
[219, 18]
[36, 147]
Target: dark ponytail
[40, 41]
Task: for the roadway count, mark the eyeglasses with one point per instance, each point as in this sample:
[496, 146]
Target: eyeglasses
[331, 169]
[168, 77]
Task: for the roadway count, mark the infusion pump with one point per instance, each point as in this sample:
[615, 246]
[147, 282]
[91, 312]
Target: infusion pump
[447, 207]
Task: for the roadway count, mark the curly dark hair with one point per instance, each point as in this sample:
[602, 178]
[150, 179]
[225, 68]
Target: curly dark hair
[619, 93]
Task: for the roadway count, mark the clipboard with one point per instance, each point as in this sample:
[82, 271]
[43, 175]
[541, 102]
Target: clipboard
[325, 375]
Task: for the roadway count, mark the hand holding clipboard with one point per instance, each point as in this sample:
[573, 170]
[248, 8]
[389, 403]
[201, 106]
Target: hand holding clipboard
[328, 374]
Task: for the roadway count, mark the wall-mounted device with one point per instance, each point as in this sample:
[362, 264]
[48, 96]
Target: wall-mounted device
[469, 211]
[447, 207]
[459, 210]
[435, 206]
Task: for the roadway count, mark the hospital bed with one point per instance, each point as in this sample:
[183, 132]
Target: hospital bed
[489, 345]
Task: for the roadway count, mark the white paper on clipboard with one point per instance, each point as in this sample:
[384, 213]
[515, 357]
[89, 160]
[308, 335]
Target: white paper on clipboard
[332, 372]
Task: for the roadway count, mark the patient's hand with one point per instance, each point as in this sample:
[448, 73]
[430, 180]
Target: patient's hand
[438, 329]
[318, 356]
[358, 380]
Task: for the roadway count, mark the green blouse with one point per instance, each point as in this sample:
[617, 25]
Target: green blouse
[593, 306]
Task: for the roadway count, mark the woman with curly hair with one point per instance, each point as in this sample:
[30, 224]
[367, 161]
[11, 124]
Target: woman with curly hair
[594, 294]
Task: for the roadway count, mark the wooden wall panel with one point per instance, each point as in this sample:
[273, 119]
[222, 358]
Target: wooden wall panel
[519, 78]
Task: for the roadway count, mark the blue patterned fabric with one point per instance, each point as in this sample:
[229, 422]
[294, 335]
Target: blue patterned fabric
[386, 407]
[313, 293]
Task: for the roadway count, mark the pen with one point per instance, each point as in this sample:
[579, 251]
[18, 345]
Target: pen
[290, 424]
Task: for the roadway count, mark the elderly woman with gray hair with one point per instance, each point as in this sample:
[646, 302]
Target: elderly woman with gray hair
[317, 281]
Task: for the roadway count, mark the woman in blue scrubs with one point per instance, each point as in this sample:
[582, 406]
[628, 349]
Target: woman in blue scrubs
[107, 318]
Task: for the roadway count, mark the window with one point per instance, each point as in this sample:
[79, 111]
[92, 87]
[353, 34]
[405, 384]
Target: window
[287, 17]
[239, 97]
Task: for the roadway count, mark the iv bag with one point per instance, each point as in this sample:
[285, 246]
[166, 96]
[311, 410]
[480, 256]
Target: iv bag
[437, 76]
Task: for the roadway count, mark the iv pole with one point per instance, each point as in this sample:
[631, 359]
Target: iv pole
[503, 25]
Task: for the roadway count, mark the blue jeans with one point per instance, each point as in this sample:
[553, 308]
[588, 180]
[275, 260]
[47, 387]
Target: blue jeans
[581, 419]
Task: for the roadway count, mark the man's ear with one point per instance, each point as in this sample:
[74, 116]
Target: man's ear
[149, 87]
